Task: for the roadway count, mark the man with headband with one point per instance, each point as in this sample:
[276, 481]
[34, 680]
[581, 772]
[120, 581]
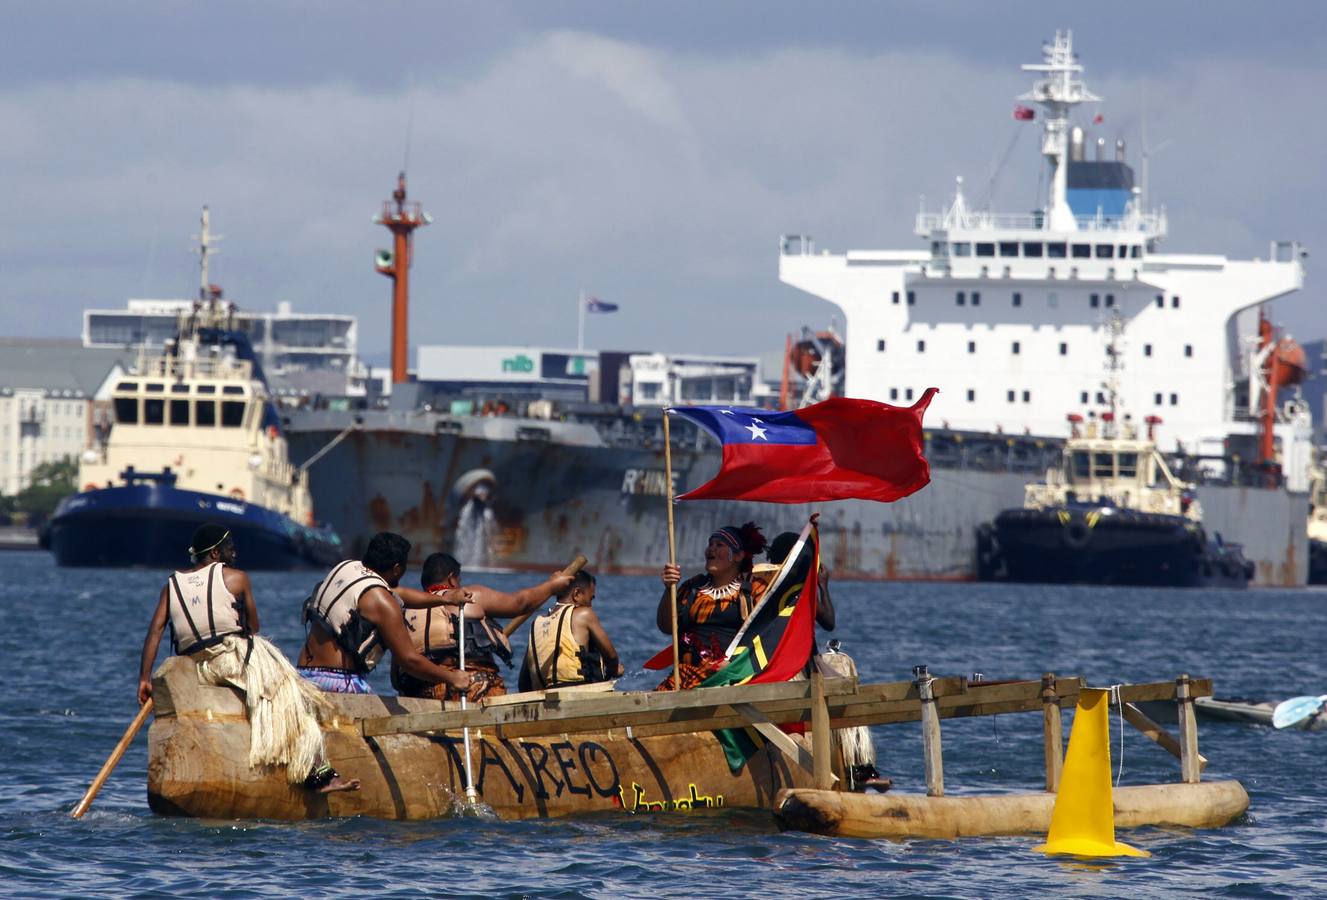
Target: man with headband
[214, 621]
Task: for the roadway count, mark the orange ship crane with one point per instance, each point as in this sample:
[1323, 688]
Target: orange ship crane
[1281, 364]
[401, 218]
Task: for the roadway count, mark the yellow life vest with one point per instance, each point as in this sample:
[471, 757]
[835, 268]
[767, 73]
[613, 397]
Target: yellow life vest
[553, 657]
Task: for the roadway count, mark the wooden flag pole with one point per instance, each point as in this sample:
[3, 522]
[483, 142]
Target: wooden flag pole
[576, 565]
[672, 548]
[113, 759]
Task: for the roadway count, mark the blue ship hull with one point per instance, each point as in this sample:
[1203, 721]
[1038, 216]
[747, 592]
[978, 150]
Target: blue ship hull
[150, 524]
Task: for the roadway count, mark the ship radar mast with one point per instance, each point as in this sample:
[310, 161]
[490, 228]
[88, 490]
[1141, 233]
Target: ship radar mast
[1058, 93]
[1114, 365]
[401, 218]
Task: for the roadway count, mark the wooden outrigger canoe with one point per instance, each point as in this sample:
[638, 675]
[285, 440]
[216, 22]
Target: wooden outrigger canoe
[199, 738]
[898, 816]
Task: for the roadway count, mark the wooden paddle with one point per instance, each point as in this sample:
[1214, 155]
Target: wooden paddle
[576, 565]
[113, 760]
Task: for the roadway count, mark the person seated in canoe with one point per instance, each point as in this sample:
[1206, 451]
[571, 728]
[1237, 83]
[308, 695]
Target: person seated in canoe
[213, 620]
[712, 606]
[568, 644]
[354, 616]
[433, 631]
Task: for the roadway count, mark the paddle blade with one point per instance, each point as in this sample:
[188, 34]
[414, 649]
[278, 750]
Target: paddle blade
[1293, 712]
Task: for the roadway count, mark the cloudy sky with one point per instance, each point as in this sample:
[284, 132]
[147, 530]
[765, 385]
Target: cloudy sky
[649, 153]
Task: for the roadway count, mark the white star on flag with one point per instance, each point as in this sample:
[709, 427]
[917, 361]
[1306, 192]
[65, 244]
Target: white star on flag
[726, 412]
[756, 431]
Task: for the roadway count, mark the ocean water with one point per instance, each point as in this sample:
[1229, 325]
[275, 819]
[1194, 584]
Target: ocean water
[69, 655]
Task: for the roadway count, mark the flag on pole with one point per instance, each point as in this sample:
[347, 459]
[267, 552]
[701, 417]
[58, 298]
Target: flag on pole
[1098, 119]
[777, 640]
[595, 305]
[838, 449]
[1024, 113]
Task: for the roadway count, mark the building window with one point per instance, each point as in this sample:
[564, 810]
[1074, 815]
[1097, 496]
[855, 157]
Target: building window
[972, 395]
[912, 298]
[1174, 399]
[1018, 299]
[962, 298]
[1157, 398]
[1093, 301]
[1161, 301]
[1110, 299]
[921, 346]
[972, 346]
[1027, 396]
[1015, 348]
[1011, 396]
[880, 345]
[907, 395]
[1064, 349]
[1188, 349]
[893, 393]
[976, 298]
[1175, 302]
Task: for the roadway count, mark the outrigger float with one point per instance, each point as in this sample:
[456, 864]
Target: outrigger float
[576, 751]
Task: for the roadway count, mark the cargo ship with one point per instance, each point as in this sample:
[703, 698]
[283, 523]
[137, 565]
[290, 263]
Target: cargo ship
[1004, 313]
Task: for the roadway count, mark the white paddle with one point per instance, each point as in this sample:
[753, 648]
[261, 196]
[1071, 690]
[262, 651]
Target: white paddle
[1297, 710]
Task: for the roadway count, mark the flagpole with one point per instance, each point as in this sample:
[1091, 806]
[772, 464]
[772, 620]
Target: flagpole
[580, 322]
[672, 548]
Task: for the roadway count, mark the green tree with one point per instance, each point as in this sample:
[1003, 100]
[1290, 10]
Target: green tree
[48, 484]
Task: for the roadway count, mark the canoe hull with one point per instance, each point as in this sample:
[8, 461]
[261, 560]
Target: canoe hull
[1208, 804]
[198, 766]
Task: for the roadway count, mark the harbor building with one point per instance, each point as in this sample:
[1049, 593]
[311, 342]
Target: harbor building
[301, 353]
[49, 396]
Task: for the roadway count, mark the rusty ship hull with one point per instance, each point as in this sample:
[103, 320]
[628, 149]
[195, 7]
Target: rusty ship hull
[508, 493]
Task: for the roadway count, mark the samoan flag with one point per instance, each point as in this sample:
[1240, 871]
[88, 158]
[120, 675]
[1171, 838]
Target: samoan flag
[595, 305]
[838, 449]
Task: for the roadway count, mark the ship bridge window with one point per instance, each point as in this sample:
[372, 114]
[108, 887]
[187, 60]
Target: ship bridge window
[154, 411]
[1057, 250]
[1081, 469]
[976, 298]
[126, 410]
[205, 413]
[1136, 251]
[232, 414]
[1110, 299]
[232, 389]
[179, 412]
[1161, 301]
[1082, 251]
[961, 298]
[984, 249]
[1018, 299]
[894, 298]
[939, 248]
[179, 388]
[1105, 251]
[1103, 465]
[1009, 248]
[912, 298]
[1175, 302]
[1093, 300]
[962, 248]
[1128, 465]
[1033, 249]
[207, 389]
[127, 386]
[154, 388]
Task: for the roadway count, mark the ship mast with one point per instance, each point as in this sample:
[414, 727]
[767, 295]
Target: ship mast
[1114, 364]
[401, 219]
[1058, 93]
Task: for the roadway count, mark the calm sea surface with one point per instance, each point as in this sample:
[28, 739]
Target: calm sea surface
[69, 650]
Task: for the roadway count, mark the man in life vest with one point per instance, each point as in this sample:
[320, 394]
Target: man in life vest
[433, 632]
[214, 621]
[568, 644]
[354, 617]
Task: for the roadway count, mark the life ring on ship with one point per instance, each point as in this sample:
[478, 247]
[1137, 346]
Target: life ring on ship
[89, 487]
[272, 432]
[236, 494]
[1076, 534]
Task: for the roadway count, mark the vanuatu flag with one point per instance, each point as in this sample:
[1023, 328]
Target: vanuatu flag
[776, 642]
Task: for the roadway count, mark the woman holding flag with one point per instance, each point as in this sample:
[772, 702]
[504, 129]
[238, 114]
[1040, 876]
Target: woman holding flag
[711, 607]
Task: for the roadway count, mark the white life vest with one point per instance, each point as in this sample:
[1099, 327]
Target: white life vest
[202, 609]
[433, 632]
[335, 606]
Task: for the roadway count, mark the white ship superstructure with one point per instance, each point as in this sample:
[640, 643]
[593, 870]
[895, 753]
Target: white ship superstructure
[1006, 314]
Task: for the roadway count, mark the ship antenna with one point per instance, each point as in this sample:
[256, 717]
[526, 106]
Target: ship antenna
[401, 219]
[1114, 331]
[1058, 93]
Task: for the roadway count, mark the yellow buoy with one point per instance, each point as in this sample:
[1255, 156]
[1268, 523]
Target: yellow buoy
[1083, 821]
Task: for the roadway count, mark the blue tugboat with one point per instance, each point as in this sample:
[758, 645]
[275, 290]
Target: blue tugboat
[195, 439]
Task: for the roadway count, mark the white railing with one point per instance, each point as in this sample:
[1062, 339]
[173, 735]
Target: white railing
[1151, 224]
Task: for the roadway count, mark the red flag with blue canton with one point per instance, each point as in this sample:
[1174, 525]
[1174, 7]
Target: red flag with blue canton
[838, 449]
